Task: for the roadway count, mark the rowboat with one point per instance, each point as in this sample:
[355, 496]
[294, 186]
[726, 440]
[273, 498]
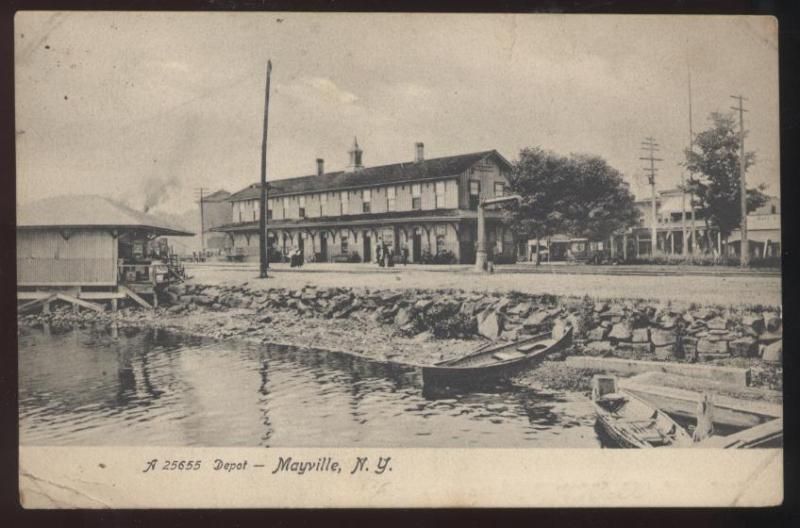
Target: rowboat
[632, 422]
[494, 363]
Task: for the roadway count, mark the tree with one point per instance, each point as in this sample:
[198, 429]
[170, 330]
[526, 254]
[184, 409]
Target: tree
[579, 195]
[714, 186]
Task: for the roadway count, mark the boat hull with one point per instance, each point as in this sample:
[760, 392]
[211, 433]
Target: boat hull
[454, 375]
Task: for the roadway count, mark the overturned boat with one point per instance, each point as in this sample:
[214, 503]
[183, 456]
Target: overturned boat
[632, 422]
[495, 363]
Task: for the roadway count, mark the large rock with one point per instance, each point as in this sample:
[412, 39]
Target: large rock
[772, 352]
[520, 309]
[536, 319]
[718, 323]
[743, 347]
[772, 321]
[661, 337]
[641, 335]
[706, 346]
[422, 305]
[404, 316]
[490, 324]
[665, 352]
[621, 332]
[753, 323]
[598, 348]
[597, 334]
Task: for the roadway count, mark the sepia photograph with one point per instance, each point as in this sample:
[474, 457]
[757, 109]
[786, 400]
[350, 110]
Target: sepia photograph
[331, 232]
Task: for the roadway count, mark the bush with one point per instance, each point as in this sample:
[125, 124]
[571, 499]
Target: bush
[704, 260]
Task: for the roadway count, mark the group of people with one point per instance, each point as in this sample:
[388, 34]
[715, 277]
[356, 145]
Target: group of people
[384, 255]
[296, 258]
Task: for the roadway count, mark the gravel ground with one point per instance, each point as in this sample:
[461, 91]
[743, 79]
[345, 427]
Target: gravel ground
[750, 289]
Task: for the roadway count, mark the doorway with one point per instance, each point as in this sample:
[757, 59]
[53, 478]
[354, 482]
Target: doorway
[301, 245]
[416, 240]
[323, 247]
[367, 247]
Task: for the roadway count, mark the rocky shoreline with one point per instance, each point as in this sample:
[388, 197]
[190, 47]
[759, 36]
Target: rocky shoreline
[424, 326]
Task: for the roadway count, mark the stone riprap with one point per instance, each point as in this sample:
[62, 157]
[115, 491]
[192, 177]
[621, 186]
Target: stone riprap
[425, 326]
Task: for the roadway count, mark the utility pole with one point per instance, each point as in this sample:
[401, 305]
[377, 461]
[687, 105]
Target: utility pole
[201, 192]
[262, 220]
[744, 244]
[651, 147]
[691, 148]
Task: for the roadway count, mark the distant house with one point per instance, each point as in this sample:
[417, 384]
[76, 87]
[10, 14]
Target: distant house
[763, 231]
[90, 248]
[427, 207]
[216, 212]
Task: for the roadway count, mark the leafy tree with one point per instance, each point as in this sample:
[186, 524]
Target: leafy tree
[715, 185]
[579, 195]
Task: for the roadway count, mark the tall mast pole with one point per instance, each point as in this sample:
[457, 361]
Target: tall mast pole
[691, 148]
[262, 217]
[744, 244]
[651, 147]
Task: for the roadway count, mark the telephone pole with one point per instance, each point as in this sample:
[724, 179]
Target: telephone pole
[201, 192]
[744, 243]
[262, 217]
[650, 146]
[691, 174]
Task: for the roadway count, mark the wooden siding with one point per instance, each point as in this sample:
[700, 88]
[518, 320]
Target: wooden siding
[86, 257]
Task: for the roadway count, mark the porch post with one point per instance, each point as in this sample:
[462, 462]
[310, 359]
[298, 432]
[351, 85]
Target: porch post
[480, 254]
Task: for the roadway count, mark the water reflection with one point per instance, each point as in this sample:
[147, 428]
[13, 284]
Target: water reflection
[158, 388]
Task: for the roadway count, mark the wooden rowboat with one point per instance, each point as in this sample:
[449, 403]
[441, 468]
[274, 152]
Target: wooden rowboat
[494, 363]
[630, 421]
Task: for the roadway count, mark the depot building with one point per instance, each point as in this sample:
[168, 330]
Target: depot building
[426, 207]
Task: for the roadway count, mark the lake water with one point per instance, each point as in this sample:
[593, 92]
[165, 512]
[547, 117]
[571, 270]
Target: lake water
[148, 387]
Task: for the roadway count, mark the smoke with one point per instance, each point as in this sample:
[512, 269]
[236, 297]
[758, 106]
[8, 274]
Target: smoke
[157, 189]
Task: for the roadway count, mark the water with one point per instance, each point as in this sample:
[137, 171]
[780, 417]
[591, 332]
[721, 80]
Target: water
[157, 388]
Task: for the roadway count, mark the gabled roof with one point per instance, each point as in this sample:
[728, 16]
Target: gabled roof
[429, 169]
[82, 211]
[217, 196]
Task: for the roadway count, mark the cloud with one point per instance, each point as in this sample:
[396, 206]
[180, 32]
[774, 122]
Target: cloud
[319, 90]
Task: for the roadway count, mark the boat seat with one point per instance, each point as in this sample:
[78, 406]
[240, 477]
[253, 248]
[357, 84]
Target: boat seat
[503, 356]
[530, 347]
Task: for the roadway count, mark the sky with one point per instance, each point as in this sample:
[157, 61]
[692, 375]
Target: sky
[149, 107]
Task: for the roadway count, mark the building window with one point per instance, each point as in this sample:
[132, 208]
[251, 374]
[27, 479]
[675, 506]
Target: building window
[269, 214]
[441, 236]
[499, 188]
[391, 198]
[366, 200]
[323, 201]
[345, 245]
[302, 200]
[286, 207]
[439, 188]
[254, 215]
[342, 203]
[474, 194]
[240, 215]
[416, 196]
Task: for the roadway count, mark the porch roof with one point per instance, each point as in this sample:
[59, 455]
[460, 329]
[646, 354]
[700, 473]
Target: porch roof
[416, 216]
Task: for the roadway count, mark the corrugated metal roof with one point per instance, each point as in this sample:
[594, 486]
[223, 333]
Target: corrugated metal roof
[381, 175]
[91, 211]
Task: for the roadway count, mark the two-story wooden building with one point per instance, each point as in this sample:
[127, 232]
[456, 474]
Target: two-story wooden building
[426, 206]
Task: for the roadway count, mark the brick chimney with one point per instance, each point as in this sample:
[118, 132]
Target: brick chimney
[320, 166]
[419, 151]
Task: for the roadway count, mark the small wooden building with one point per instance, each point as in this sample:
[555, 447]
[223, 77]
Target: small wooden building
[82, 249]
